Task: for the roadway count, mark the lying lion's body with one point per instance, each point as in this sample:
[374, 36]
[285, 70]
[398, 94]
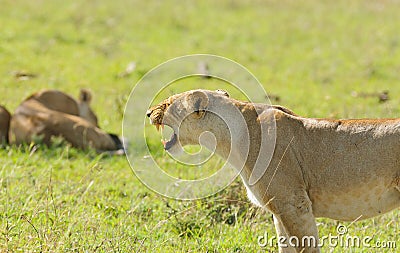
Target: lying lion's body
[53, 113]
[341, 169]
[5, 117]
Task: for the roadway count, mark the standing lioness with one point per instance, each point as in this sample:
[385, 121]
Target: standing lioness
[341, 169]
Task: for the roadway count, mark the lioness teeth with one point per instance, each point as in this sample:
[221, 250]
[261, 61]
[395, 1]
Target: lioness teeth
[159, 126]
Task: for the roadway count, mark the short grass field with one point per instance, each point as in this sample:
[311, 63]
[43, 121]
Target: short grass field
[319, 58]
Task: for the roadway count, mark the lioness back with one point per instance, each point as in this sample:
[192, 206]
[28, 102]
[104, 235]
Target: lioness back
[57, 101]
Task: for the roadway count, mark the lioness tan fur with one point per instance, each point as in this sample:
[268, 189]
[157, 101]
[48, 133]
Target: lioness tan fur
[53, 113]
[5, 117]
[342, 169]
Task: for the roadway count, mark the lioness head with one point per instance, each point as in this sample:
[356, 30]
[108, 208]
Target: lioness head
[190, 114]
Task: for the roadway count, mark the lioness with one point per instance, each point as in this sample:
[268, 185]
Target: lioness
[53, 113]
[341, 169]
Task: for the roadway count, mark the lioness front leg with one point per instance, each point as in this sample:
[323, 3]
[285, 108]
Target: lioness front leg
[301, 235]
[296, 227]
[281, 233]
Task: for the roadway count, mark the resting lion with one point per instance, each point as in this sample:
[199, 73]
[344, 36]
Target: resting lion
[341, 169]
[53, 113]
[4, 125]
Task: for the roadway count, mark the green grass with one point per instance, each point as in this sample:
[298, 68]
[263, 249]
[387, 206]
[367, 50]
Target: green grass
[312, 54]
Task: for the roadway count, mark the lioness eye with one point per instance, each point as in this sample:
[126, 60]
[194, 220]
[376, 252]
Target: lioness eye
[199, 112]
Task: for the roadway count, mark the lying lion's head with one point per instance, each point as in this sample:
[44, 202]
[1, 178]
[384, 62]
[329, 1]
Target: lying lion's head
[189, 114]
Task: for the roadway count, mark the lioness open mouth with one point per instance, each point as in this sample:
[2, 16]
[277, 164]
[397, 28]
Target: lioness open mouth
[156, 115]
[170, 143]
[167, 144]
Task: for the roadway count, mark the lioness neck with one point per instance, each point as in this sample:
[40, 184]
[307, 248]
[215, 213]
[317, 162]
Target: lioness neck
[239, 143]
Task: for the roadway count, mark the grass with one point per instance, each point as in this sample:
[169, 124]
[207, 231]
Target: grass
[312, 54]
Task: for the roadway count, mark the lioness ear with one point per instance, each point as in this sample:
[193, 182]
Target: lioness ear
[223, 92]
[197, 102]
[85, 96]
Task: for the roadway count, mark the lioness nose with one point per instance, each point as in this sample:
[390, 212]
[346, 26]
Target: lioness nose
[148, 113]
